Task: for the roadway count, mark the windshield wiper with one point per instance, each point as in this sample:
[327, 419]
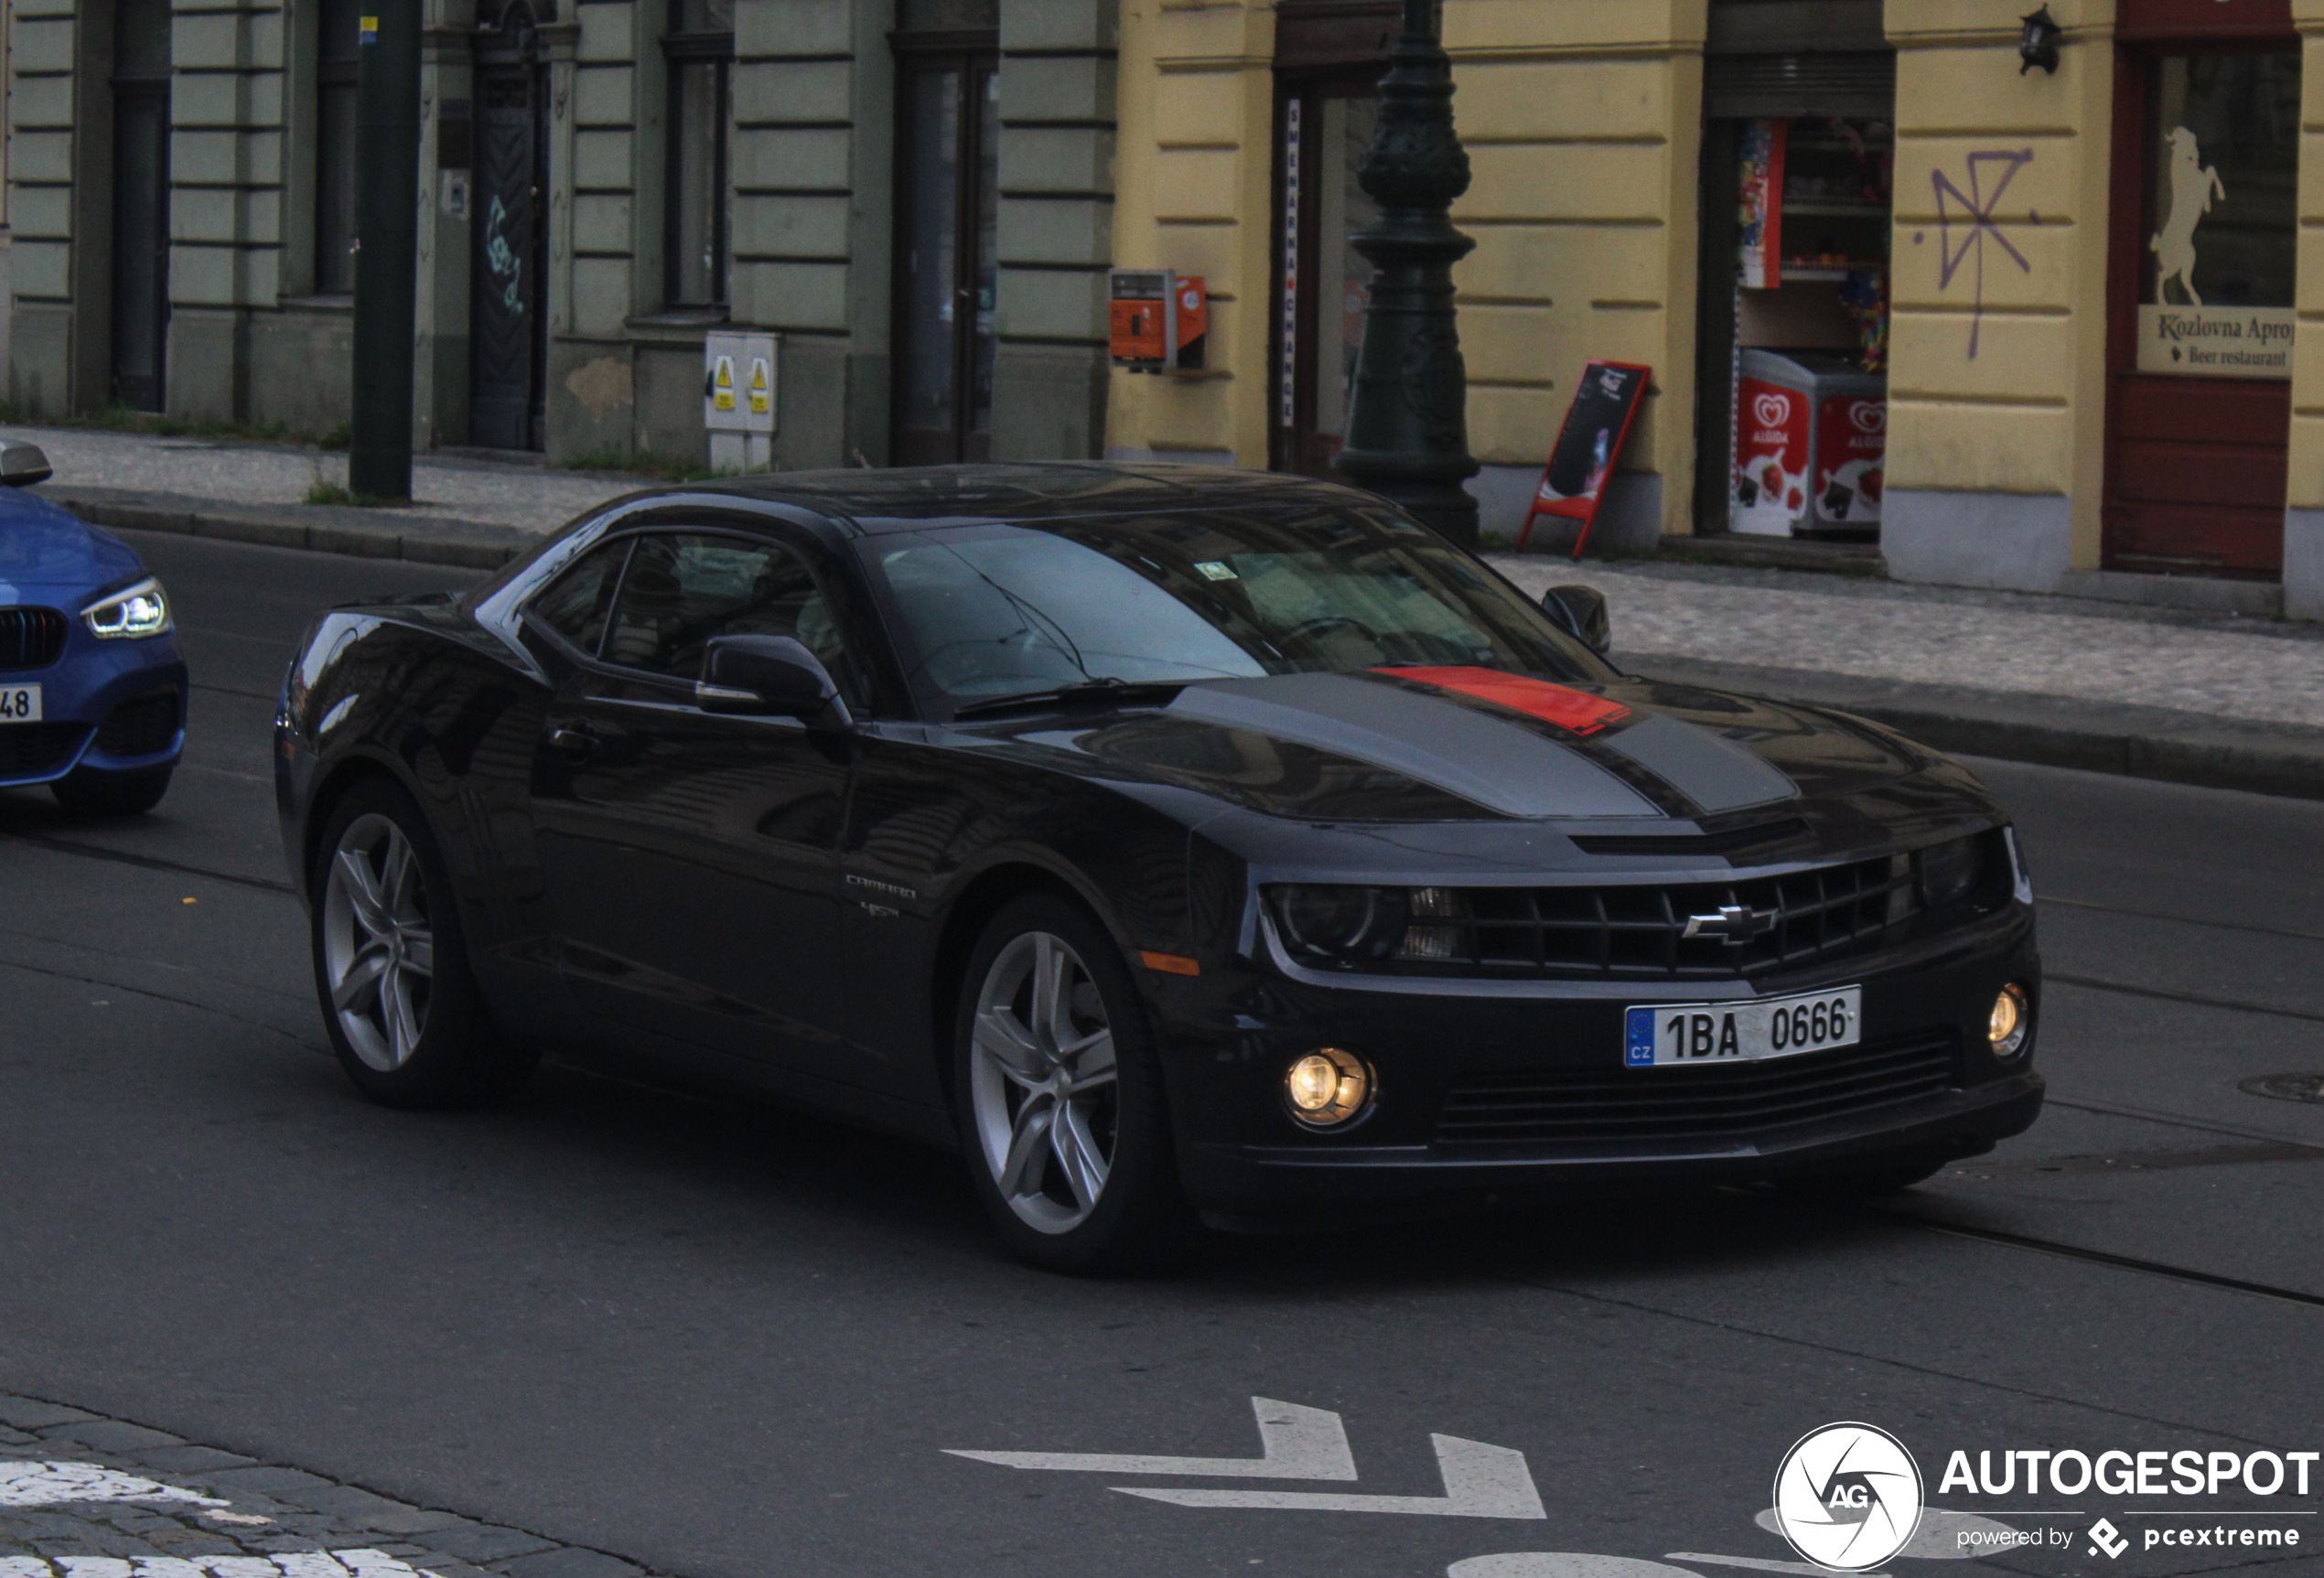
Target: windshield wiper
[1118, 692]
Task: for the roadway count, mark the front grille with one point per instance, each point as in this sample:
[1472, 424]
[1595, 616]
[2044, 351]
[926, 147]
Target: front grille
[1629, 1105]
[140, 726]
[27, 750]
[1638, 932]
[30, 637]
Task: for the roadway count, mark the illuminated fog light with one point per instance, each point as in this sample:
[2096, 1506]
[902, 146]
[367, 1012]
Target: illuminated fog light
[2012, 1018]
[1327, 1087]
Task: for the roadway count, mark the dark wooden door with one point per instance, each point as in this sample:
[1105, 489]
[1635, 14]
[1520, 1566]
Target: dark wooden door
[140, 203]
[2201, 258]
[946, 274]
[508, 340]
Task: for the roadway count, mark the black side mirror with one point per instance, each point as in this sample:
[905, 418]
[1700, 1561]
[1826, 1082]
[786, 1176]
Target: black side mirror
[22, 465]
[769, 677]
[1580, 612]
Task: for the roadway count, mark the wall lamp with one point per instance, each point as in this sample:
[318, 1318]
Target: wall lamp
[2037, 45]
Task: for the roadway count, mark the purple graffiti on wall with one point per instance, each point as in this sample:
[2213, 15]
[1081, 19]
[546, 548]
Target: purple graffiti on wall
[1973, 213]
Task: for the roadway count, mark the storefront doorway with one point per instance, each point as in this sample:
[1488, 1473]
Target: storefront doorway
[140, 201]
[1329, 56]
[947, 206]
[1791, 318]
[507, 339]
[2202, 259]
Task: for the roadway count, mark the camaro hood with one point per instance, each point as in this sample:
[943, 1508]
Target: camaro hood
[45, 547]
[1457, 744]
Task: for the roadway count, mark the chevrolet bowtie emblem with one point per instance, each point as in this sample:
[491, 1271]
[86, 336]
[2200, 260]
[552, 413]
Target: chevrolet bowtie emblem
[1732, 923]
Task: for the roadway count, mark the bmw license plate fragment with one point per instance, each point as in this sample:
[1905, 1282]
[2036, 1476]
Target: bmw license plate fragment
[1656, 1034]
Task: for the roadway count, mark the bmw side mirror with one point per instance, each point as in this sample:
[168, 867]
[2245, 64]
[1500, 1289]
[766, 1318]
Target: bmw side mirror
[1580, 612]
[769, 677]
[22, 465]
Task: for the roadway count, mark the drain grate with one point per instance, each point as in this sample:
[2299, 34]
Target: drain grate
[2285, 1087]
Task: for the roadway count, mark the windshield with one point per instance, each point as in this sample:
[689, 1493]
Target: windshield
[989, 611]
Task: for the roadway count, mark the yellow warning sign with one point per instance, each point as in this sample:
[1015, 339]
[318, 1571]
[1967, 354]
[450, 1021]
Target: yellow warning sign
[759, 404]
[723, 385]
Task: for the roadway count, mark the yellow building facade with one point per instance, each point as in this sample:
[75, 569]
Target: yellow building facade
[2074, 309]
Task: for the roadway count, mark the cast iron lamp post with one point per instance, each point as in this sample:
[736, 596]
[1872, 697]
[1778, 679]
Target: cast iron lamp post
[1407, 417]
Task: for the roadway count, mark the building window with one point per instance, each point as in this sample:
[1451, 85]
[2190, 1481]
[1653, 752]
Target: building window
[335, 58]
[700, 46]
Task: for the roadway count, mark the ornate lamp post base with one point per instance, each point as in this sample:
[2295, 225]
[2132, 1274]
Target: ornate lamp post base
[1408, 419]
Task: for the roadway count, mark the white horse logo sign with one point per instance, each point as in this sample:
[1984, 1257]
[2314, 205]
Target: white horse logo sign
[2193, 184]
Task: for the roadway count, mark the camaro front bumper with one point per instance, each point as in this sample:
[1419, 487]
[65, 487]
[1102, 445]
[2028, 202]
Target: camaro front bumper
[1521, 1087]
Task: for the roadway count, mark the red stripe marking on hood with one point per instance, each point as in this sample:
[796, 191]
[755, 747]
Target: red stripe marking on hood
[1576, 711]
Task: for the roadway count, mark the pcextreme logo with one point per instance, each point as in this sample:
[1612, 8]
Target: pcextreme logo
[1848, 1496]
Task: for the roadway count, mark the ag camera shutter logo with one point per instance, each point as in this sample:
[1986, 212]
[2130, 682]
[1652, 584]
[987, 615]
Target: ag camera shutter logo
[1848, 1496]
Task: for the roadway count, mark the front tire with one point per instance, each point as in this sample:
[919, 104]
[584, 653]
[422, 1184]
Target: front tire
[1060, 1095]
[392, 973]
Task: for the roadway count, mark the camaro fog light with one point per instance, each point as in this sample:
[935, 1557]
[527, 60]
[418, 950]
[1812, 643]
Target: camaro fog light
[2012, 1018]
[1328, 1086]
[141, 610]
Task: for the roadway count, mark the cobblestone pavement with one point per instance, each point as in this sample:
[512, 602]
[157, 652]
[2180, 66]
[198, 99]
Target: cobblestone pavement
[2262, 670]
[530, 498]
[82, 1496]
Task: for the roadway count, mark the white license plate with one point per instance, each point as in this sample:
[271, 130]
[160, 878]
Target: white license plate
[20, 703]
[1666, 1033]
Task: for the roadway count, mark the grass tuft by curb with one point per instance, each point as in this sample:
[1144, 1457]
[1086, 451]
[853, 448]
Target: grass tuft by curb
[337, 493]
[152, 424]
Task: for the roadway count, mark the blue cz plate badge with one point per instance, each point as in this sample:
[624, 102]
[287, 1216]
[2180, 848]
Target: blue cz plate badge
[1657, 1035]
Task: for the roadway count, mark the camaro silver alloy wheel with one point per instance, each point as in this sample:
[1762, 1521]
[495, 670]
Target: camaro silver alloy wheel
[379, 952]
[1042, 1087]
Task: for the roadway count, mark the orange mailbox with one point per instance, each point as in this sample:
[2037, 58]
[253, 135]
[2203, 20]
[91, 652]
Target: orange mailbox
[1158, 321]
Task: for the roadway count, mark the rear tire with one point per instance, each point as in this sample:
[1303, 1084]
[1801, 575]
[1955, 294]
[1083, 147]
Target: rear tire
[391, 974]
[1058, 1090]
[90, 793]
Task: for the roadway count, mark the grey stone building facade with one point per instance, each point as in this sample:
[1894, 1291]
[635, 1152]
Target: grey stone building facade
[914, 197]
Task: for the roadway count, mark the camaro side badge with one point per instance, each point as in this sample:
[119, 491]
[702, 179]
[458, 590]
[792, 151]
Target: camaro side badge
[1732, 923]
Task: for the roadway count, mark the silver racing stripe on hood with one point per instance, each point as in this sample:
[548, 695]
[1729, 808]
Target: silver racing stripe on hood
[1506, 766]
[1708, 768]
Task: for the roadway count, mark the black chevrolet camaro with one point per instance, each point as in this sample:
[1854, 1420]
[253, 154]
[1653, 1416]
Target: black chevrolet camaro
[1173, 842]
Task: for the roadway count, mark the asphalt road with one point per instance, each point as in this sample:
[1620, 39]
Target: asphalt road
[721, 1340]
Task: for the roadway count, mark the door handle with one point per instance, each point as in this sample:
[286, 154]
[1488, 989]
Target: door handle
[573, 744]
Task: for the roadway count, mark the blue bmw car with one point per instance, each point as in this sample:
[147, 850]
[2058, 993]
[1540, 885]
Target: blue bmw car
[92, 690]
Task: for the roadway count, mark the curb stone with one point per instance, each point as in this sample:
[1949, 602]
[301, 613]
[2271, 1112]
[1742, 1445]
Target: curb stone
[318, 528]
[306, 1512]
[2127, 740]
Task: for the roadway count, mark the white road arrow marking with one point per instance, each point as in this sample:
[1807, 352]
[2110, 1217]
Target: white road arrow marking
[1295, 1443]
[51, 1484]
[1480, 1481]
[291, 1565]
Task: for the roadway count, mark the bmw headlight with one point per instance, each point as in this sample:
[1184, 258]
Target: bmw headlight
[1343, 924]
[139, 610]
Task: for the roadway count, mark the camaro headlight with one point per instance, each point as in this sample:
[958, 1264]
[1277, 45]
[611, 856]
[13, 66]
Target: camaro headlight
[1948, 871]
[1341, 923]
[2010, 1022]
[1327, 1087]
[139, 610]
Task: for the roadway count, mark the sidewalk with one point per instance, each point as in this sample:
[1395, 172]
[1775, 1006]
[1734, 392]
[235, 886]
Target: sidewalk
[2197, 698]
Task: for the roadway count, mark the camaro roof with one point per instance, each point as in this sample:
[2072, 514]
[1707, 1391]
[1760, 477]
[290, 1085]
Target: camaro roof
[913, 496]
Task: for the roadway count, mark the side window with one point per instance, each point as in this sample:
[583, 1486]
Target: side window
[575, 604]
[683, 589]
